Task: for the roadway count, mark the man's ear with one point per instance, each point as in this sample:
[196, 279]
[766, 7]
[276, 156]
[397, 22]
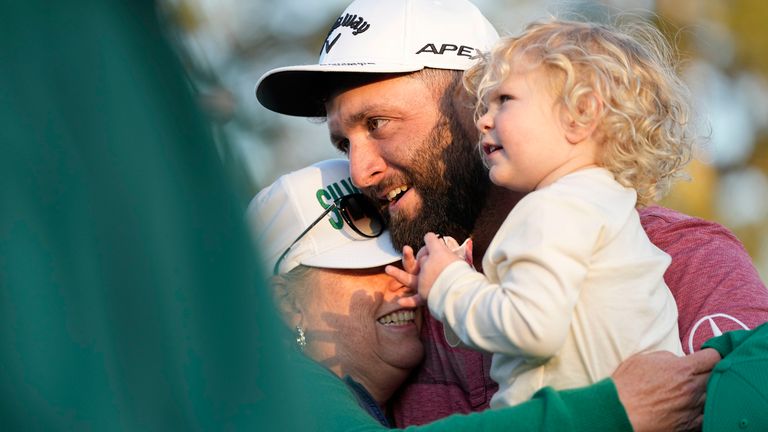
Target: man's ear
[581, 125]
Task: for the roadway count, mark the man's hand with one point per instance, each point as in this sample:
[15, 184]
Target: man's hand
[663, 392]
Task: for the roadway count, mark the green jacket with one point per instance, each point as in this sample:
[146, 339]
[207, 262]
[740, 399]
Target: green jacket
[593, 408]
[737, 390]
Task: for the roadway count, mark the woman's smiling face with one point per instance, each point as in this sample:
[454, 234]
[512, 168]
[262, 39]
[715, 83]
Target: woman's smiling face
[355, 327]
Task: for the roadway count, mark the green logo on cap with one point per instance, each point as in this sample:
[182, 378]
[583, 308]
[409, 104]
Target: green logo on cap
[331, 193]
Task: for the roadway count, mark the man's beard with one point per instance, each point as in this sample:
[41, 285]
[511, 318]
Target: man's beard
[452, 181]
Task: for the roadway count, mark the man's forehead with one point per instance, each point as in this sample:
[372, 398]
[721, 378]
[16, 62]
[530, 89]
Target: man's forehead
[391, 91]
[335, 83]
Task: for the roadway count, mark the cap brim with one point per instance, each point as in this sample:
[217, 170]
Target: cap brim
[303, 90]
[370, 253]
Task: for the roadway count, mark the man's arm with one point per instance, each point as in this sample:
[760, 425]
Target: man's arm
[713, 280]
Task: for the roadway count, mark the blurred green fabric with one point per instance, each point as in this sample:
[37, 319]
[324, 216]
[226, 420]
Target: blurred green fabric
[129, 298]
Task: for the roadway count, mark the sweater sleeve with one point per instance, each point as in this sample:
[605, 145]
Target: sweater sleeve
[535, 267]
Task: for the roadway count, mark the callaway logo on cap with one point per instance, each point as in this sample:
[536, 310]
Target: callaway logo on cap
[357, 24]
[374, 36]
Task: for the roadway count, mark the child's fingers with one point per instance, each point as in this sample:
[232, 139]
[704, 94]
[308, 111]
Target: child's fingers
[413, 301]
[410, 264]
[433, 244]
[422, 253]
[402, 276]
[451, 243]
[430, 239]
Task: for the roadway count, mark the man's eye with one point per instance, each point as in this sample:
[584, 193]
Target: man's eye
[342, 145]
[376, 123]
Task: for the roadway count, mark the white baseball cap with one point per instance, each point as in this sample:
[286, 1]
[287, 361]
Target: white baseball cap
[380, 36]
[279, 214]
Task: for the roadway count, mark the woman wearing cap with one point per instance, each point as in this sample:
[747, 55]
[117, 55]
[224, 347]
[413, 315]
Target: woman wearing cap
[327, 248]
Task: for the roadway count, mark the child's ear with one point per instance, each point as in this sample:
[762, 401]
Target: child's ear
[582, 124]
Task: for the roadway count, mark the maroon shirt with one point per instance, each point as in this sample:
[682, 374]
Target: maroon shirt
[712, 278]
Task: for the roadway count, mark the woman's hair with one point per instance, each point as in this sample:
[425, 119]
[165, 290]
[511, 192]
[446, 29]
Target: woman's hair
[643, 125]
[291, 288]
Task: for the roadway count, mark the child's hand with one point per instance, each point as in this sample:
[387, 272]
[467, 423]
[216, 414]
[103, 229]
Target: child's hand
[407, 276]
[463, 251]
[434, 257]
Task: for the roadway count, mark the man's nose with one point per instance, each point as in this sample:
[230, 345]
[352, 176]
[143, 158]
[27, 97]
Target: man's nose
[366, 165]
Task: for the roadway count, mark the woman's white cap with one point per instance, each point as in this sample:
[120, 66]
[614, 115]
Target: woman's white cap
[281, 211]
[380, 36]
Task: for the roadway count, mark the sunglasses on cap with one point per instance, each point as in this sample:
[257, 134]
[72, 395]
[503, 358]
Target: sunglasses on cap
[357, 211]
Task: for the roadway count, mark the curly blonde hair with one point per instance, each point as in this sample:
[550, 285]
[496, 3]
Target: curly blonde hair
[643, 126]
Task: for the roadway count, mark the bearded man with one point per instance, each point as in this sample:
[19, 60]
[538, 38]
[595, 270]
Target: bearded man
[394, 102]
